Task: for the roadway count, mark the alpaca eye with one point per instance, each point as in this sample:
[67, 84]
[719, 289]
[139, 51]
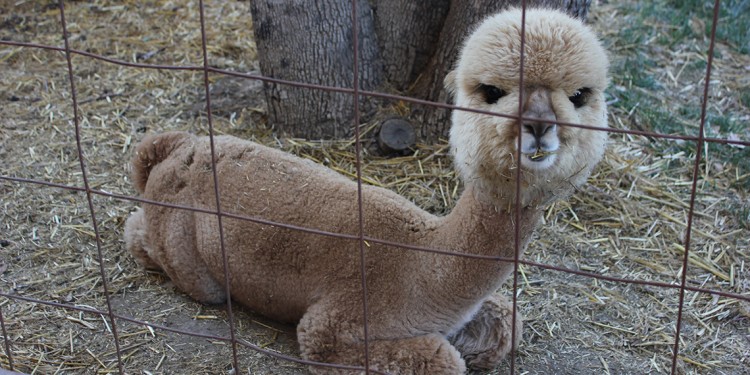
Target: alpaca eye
[580, 97]
[491, 93]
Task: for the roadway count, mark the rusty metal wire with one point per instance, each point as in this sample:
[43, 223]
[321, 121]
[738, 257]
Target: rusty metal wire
[358, 166]
[360, 237]
[6, 341]
[219, 216]
[366, 93]
[89, 196]
[694, 188]
[517, 211]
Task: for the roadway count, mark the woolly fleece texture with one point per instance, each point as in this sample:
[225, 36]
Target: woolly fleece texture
[428, 313]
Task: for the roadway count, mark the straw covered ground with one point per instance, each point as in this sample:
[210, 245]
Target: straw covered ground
[629, 222]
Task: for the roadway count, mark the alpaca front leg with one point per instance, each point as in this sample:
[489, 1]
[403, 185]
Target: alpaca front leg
[136, 230]
[486, 339]
[325, 337]
[178, 257]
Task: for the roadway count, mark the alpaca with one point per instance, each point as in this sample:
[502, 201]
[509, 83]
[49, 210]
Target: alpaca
[428, 313]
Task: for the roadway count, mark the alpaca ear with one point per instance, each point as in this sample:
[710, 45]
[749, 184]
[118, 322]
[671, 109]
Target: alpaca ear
[450, 82]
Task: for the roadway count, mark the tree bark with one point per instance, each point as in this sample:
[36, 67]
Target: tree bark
[407, 33]
[406, 47]
[311, 42]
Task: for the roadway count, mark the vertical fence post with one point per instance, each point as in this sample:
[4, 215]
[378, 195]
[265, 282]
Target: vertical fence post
[6, 340]
[358, 166]
[517, 205]
[89, 194]
[694, 188]
[219, 216]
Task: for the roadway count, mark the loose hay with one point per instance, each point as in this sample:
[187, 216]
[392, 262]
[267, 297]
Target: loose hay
[629, 222]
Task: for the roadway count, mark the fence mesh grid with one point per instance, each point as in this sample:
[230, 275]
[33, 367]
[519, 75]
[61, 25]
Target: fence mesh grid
[112, 315]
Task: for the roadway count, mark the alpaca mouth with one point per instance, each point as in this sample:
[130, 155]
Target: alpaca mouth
[539, 155]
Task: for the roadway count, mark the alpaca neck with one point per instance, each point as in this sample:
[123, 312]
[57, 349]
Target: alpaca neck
[480, 226]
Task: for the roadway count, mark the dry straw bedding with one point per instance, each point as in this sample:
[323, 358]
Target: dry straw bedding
[629, 222]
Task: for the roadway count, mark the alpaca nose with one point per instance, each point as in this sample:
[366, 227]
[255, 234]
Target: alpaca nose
[538, 129]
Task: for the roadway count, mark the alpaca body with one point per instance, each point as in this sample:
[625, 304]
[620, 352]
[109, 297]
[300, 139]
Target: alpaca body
[428, 313]
[251, 179]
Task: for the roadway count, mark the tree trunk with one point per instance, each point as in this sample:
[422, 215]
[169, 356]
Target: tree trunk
[407, 33]
[311, 42]
[405, 47]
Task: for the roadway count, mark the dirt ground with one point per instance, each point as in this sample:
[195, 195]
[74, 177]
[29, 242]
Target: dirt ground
[629, 222]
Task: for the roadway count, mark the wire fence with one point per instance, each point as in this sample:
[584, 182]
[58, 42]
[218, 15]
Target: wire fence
[361, 238]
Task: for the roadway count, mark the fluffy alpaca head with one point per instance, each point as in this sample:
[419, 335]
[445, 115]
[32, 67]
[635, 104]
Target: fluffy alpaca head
[565, 74]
